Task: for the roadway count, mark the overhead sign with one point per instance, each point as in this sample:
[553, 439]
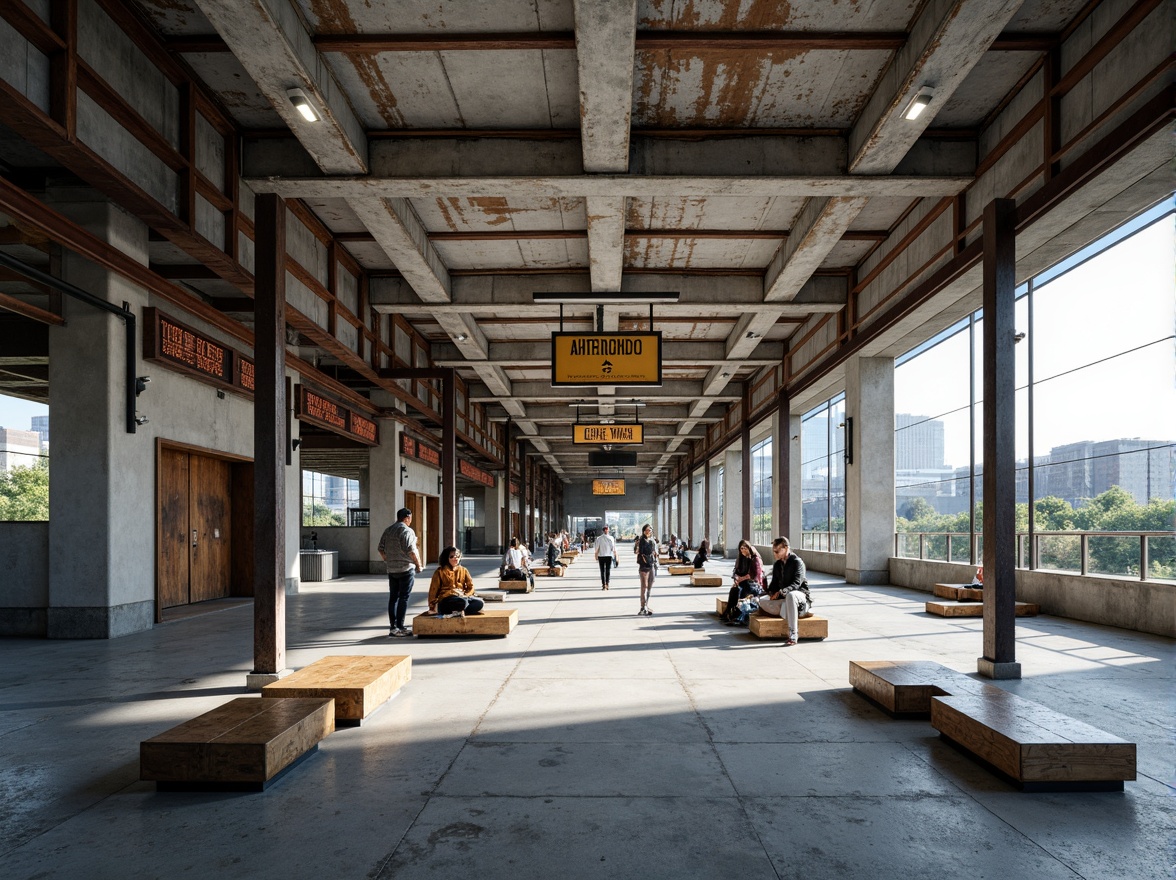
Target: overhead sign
[471, 471]
[608, 487]
[612, 434]
[606, 358]
[315, 409]
[175, 345]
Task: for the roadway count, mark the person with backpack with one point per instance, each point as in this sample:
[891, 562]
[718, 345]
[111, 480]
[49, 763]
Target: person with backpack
[788, 594]
[748, 580]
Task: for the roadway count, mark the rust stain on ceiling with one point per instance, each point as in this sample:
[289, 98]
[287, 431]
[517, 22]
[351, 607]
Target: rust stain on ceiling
[760, 15]
[335, 18]
[470, 212]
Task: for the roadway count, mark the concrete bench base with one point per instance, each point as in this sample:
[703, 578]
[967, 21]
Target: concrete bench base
[523, 586]
[490, 622]
[243, 745]
[545, 571]
[677, 570]
[959, 592]
[702, 579]
[1032, 745]
[905, 687]
[947, 609]
[359, 685]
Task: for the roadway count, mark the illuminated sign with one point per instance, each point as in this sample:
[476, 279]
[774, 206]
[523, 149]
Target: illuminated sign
[614, 434]
[472, 472]
[177, 346]
[606, 359]
[315, 409]
[608, 487]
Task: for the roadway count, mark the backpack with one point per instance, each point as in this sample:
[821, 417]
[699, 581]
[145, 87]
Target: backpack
[743, 611]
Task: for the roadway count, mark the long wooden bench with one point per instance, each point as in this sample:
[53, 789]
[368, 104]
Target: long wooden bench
[1034, 746]
[489, 622]
[972, 609]
[905, 687]
[702, 579]
[567, 558]
[358, 684]
[546, 571]
[678, 570]
[244, 744]
[523, 586]
[667, 560]
[959, 592]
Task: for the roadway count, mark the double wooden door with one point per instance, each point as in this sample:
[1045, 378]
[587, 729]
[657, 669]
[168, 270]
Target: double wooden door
[195, 528]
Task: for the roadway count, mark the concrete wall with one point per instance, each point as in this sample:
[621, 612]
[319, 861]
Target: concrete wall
[24, 591]
[827, 563]
[351, 542]
[1131, 604]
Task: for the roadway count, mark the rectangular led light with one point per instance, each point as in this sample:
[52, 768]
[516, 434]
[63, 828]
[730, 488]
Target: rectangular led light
[589, 298]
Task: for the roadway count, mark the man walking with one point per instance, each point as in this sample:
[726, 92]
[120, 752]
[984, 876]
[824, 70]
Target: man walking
[606, 551]
[398, 549]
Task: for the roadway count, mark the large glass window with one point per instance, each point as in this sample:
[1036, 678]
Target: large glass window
[1095, 415]
[761, 492]
[822, 476]
[326, 497]
[722, 540]
[24, 460]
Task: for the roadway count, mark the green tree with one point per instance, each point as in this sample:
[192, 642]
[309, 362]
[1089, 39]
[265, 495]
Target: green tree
[317, 514]
[24, 493]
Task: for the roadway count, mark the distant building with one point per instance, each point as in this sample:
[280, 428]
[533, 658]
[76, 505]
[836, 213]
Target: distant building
[18, 449]
[40, 426]
[1079, 471]
[918, 442]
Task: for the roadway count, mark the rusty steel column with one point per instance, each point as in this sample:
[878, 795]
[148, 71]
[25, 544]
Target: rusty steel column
[1000, 485]
[782, 444]
[745, 437]
[449, 459]
[269, 444]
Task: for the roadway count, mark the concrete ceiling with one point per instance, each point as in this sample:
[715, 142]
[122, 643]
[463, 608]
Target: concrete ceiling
[749, 155]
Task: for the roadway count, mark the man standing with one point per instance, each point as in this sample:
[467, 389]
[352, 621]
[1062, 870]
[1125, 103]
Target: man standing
[606, 551]
[398, 549]
[788, 593]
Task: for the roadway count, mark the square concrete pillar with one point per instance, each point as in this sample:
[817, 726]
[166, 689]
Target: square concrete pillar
[386, 494]
[869, 472]
[733, 501]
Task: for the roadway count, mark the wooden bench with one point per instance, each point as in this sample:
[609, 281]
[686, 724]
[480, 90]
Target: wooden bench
[546, 571]
[971, 609]
[1034, 746]
[242, 745]
[959, 592]
[764, 626]
[523, 586]
[567, 558]
[667, 560]
[358, 684]
[702, 579]
[677, 570]
[490, 622]
[905, 687]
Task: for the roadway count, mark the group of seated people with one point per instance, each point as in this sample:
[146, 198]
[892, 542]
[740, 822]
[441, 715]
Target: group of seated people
[787, 595]
[680, 549]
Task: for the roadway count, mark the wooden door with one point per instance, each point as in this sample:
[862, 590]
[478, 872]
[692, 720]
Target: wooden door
[432, 540]
[209, 489]
[195, 528]
[174, 537]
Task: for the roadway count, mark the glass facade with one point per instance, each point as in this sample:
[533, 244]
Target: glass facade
[326, 497]
[822, 475]
[761, 492]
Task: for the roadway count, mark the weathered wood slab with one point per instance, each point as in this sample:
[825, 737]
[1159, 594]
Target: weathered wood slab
[545, 571]
[244, 743]
[490, 622]
[702, 579]
[1032, 744]
[667, 560]
[492, 596]
[959, 592]
[765, 627]
[682, 569]
[523, 586]
[905, 687]
[969, 609]
[359, 685]
[567, 558]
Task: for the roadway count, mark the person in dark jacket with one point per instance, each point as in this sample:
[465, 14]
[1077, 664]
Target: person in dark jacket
[646, 551]
[748, 577]
[788, 593]
[703, 555]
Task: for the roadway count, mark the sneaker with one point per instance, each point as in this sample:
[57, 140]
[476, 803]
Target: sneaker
[648, 611]
[455, 614]
[401, 633]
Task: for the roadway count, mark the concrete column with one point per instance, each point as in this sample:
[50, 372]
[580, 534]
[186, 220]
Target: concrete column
[869, 475]
[733, 500]
[386, 494]
[101, 497]
[793, 499]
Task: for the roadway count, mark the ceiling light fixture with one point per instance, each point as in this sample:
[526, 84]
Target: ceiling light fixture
[302, 104]
[919, 103]
[461, 337]
[590, 298]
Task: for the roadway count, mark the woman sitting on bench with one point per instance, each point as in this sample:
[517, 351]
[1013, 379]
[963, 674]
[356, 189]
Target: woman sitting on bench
[515, 565]
[451, 592]
[748, 580]
[703, 555]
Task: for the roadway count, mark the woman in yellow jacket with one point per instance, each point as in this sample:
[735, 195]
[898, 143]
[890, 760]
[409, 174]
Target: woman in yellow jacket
[451, 592]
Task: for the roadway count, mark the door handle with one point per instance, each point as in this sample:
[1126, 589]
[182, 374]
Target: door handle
[194, 534]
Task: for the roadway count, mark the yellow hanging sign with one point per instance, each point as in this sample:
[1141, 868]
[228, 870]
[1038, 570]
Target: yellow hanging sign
[617, 435]
[608, 487]
[606, 358]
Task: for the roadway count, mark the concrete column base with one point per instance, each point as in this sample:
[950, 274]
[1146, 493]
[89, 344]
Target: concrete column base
[867, 576]
[255, 681]
[992, 669]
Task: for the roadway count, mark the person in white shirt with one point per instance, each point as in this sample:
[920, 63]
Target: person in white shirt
[606, 553]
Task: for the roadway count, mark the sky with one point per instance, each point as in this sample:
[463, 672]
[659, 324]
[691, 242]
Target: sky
[18, 414]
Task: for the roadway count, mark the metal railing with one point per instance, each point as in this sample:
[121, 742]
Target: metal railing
[1051, 551]
[825, 542]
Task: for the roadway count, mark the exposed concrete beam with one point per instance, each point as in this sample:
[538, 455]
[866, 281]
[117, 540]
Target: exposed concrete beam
[271, 41]
[610, 186]
[397, 229]
[559, 414]
[672, 390]
[817, 231]
[675, 352]
[606, 242]
[606, 36]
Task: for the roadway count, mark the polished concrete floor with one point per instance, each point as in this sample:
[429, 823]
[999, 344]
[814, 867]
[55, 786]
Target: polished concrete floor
[589, 743]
